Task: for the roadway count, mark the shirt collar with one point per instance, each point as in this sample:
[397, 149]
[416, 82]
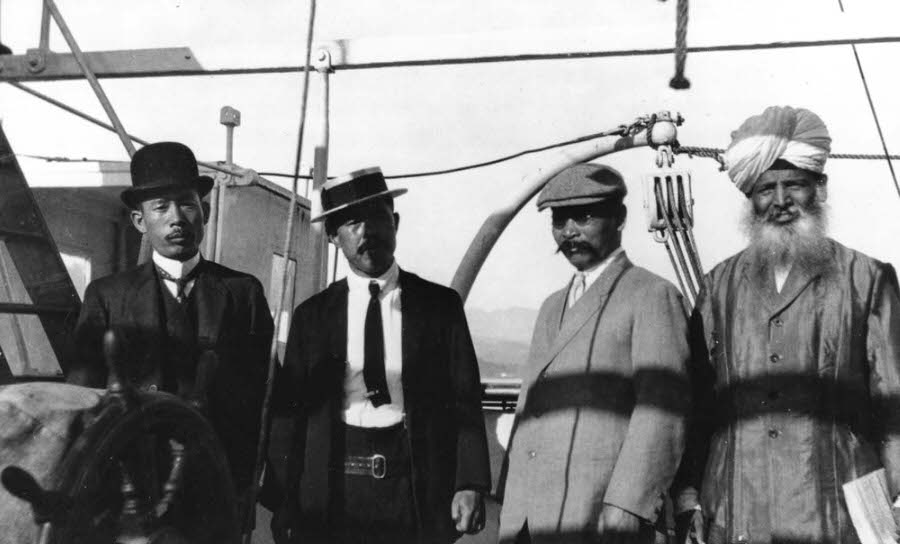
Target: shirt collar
[176, 269]
[386, 281]
[591, 274]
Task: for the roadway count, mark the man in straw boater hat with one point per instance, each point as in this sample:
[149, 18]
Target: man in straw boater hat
[381, 377]
[168, 311]
[599, 427]
[798, 344]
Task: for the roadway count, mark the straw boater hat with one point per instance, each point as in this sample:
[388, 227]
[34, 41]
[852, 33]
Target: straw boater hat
[162, 167]
[354, 188]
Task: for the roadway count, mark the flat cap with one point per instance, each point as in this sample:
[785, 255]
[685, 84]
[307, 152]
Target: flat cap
[582, 184]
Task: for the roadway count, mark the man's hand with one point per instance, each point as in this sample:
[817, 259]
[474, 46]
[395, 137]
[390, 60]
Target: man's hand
[281, 524]
[467, 511]
[617, 526]
[689, 527]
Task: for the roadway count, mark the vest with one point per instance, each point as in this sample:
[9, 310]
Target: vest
[182, 351]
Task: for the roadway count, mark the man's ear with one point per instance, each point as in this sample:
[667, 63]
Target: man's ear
[822, 191]
[622, 218]
[396, 222]
[137, 219]
[204, 205]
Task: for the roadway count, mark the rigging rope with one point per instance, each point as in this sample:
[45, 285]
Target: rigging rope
[262, 444]
[678, 81]
[690, 151]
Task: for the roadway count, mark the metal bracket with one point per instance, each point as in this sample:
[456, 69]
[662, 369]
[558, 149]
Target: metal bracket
[36, 60]
[322, 61]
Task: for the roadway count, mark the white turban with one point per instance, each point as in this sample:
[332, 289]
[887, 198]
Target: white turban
[795, 135]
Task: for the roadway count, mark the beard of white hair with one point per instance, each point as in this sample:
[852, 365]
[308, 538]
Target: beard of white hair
[803, 242]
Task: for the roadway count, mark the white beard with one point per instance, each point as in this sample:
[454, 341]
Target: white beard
[803, 241]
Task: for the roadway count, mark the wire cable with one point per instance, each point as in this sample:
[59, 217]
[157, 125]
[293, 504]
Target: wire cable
[862, 77]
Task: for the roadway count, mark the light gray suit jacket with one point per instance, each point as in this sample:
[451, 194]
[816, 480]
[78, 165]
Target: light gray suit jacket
[600, 418]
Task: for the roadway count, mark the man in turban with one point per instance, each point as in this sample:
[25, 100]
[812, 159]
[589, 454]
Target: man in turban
[798, 366]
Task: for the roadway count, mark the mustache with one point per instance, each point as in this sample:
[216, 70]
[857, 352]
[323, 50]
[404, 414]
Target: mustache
[371, 244]
[774, 211]
[180, 233]
[572, 245]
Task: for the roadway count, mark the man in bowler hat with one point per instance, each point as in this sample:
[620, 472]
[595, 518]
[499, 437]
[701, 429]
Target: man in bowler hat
[381, 377]
[167, 312]
[599, 426]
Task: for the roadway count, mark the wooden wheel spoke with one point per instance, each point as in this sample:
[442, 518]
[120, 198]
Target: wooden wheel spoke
[173, 482]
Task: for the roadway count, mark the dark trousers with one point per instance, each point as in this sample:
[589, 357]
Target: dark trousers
[369, 510]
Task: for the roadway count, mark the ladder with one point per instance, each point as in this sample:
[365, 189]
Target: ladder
[38, 301]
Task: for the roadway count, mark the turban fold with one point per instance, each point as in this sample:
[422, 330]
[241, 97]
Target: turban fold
[795, 135]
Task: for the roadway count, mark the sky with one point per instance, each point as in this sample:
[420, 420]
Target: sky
[428, 118]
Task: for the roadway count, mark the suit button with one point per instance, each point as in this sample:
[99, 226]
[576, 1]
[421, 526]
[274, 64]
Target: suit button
[774, 357]
[778, 322]
[773, 433]
[152, 388]
[532, 454]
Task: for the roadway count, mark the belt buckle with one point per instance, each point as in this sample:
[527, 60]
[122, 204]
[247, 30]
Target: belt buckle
[379, 466]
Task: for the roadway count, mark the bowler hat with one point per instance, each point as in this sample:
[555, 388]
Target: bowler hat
[354, 188]
[582, 184]
[161, 167]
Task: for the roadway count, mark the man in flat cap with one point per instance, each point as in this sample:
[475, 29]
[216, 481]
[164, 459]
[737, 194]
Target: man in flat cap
[381, 377]
[173, 308]
[599, 422]
[798, 354]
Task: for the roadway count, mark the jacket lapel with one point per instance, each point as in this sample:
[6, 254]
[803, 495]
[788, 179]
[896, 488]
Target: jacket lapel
[212, 300]
[587, 307]
[797, 281]
[763, 284]
[142, 303]
[335, 319]
[412, 324]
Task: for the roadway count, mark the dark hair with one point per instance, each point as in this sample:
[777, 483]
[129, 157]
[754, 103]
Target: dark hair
[338, 218]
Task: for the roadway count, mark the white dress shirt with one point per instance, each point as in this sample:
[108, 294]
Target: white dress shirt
[591, 274]
[358, 410]
[177, 269]
[781, 274]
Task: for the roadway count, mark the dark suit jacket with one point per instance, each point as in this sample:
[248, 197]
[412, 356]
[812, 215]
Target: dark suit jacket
[442, 396]
[232, 319]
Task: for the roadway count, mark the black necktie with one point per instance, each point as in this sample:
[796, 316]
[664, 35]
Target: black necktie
[373, 363]
[180, 283]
